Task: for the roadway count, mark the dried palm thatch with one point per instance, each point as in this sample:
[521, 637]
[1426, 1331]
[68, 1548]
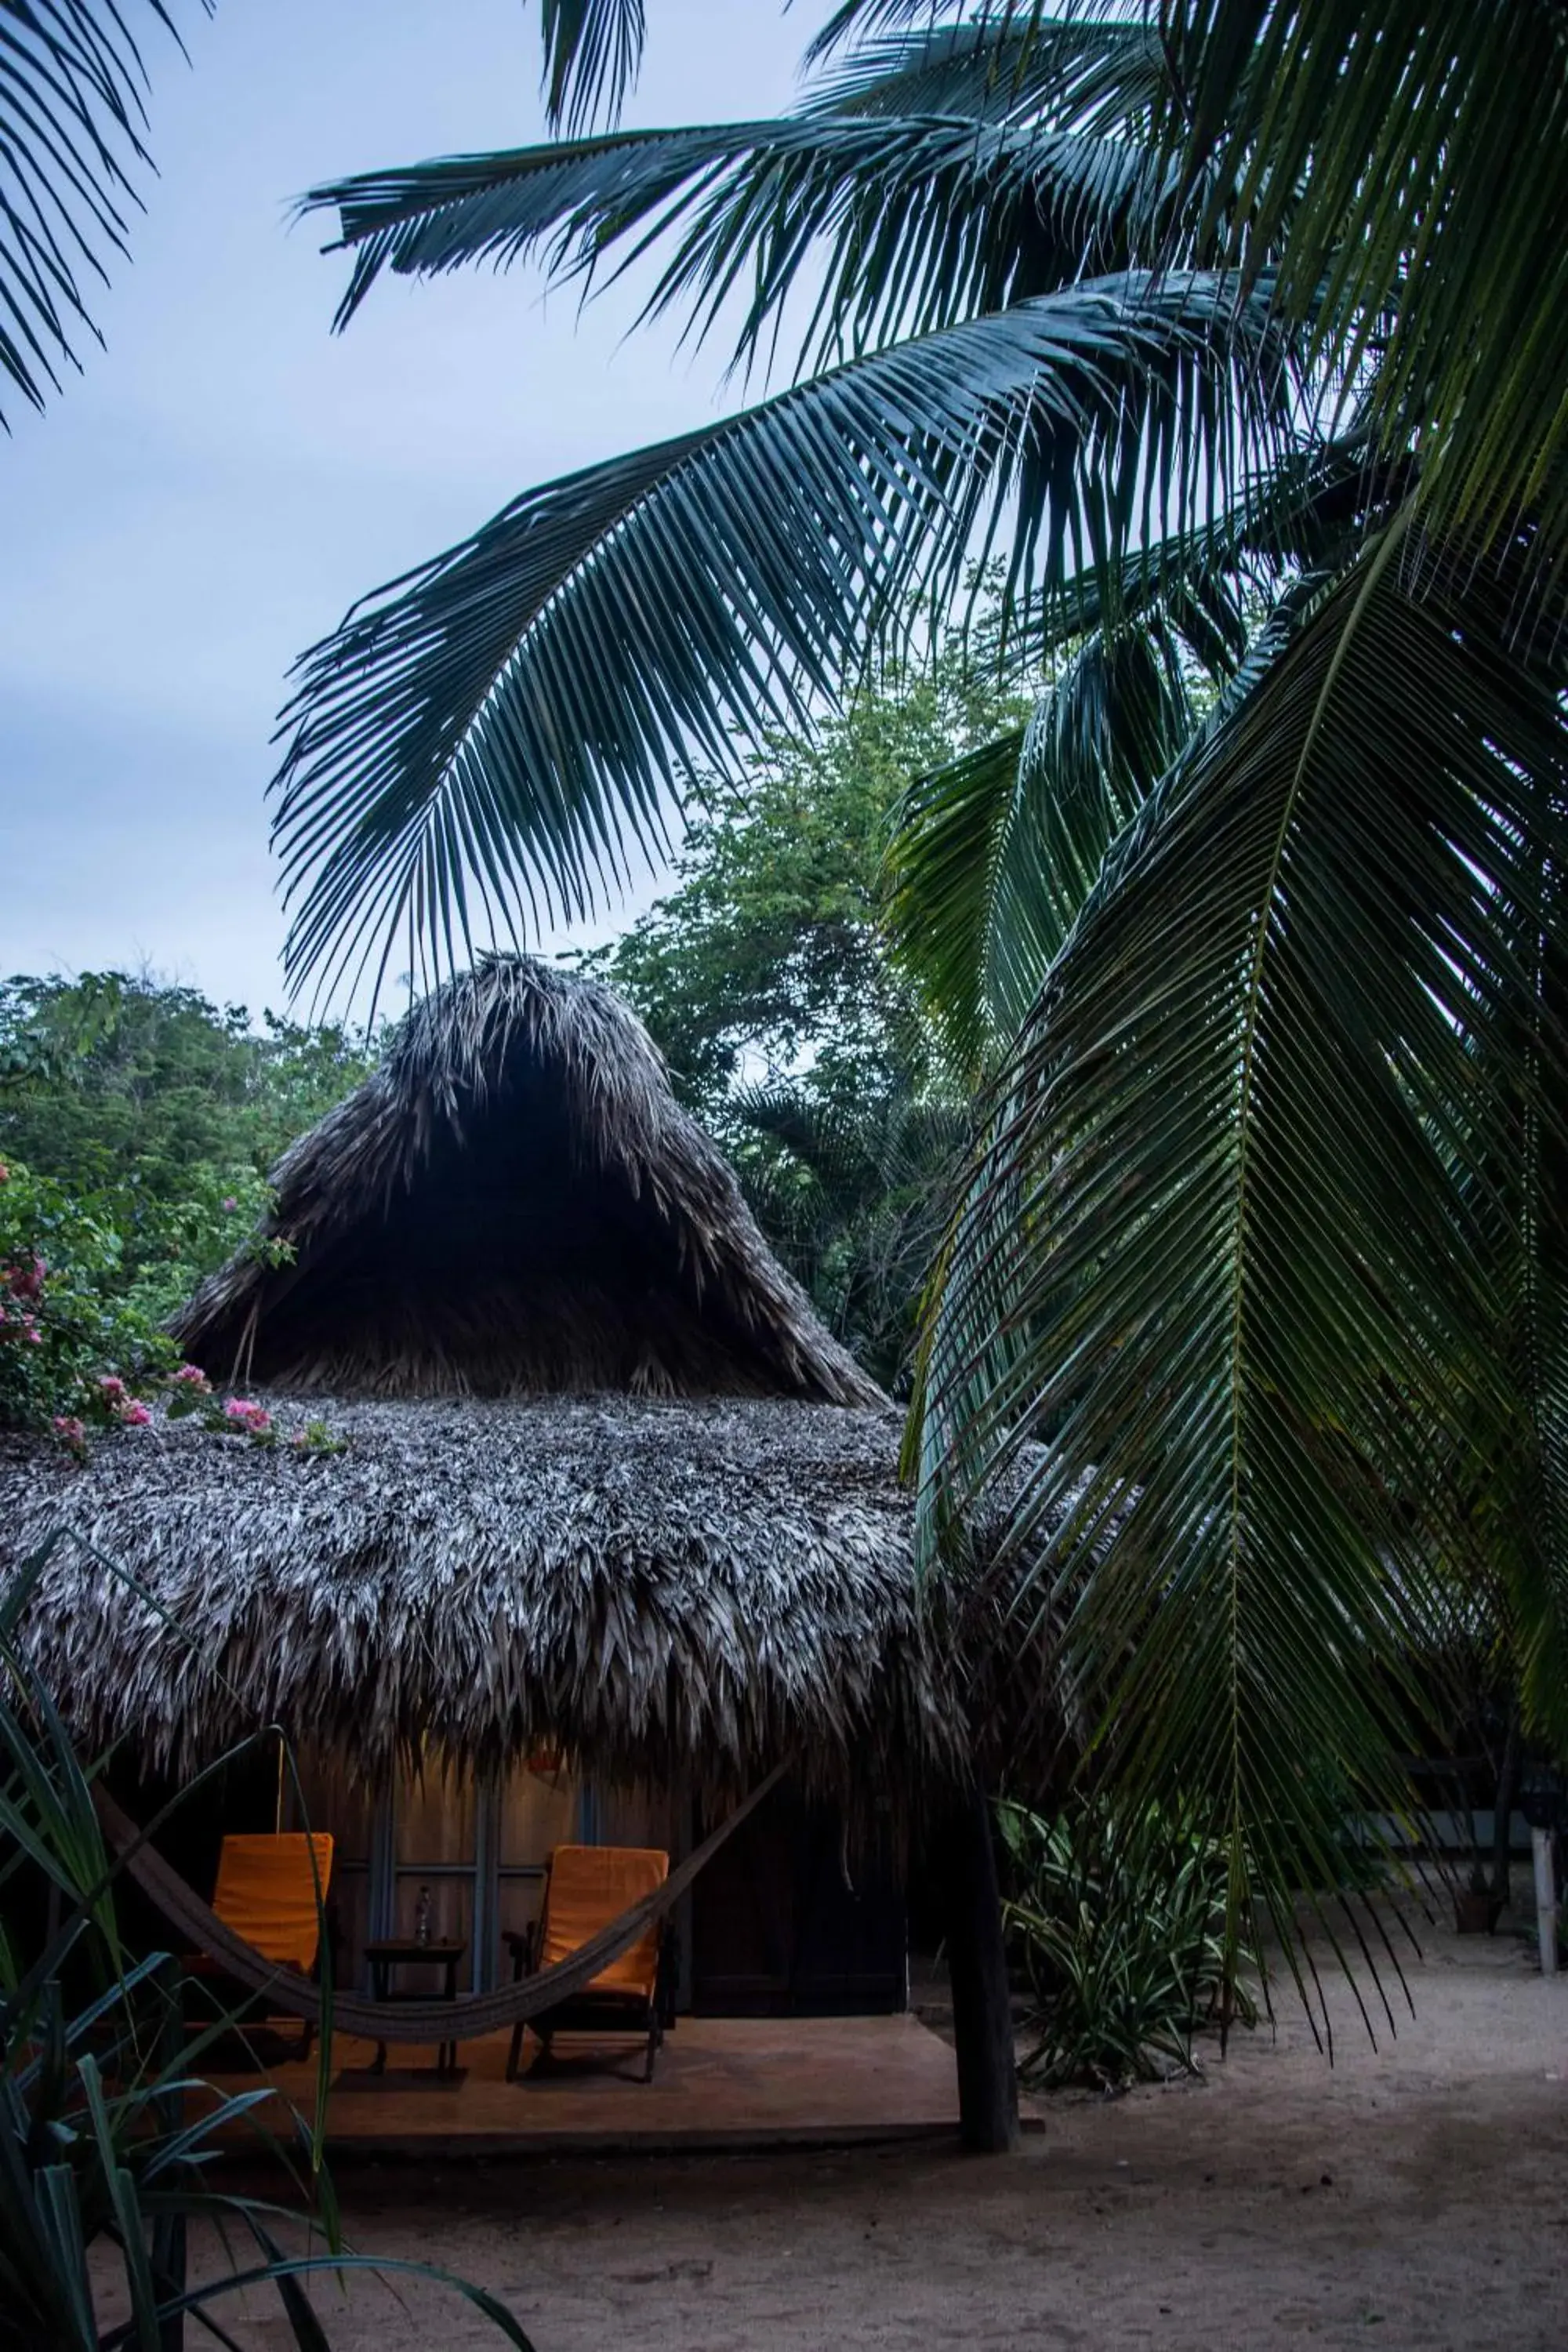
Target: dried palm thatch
[674, 1591]
[514, 1203]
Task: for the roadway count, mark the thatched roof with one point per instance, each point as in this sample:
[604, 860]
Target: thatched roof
[514, 1203]
[675, 1590]
[699, 1563]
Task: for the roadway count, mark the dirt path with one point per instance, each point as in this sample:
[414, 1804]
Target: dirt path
[1415, 2198]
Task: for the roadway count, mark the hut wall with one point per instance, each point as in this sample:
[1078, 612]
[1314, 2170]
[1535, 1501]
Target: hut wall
[538, 1806]
[480, 1844]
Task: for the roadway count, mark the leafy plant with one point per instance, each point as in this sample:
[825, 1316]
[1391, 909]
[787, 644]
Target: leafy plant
[1117, 1916]
[108, 2136]
[160, 1113]
[853, 1196]
[64, 1324]
[137, 1125]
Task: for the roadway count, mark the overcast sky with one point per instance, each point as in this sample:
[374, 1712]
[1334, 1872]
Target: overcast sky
[227, 476]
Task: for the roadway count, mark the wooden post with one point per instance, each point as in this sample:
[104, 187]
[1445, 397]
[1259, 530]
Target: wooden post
[1545, 1900]
[977, 1964]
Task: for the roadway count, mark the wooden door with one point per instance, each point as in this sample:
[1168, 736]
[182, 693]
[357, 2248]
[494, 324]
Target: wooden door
[783, 1924]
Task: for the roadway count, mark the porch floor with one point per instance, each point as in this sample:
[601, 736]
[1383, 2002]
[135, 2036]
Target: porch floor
[721, 2083]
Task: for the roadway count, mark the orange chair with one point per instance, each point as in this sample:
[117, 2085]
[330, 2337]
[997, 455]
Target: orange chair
[586, 1886]
[270, 1892]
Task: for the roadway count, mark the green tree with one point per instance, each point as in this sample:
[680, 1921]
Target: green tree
[158, 1114]
[1233, 328]
[765, 978]
[767, 960]
[853, 1193]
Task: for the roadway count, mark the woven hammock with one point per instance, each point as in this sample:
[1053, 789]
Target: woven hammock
[405, 2022]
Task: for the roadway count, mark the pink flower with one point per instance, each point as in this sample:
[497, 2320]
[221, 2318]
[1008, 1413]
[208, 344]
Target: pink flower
[248, 1415]
[33, 1336]
[27, 1281]
[135, 1415]
[230, 1204]
[191, 1376]
[70, 1432]
[5, 1173]
[111, 1388]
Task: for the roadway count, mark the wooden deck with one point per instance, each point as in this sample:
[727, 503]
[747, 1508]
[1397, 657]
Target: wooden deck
[721, 2084]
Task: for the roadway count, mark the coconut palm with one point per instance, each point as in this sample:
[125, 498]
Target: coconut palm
[1232, 327]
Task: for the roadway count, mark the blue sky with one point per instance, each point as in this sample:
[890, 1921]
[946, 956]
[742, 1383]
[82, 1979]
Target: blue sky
[227, 476]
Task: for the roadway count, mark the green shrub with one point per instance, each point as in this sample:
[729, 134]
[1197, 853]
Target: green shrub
[1115, 1918]
[64, 1323]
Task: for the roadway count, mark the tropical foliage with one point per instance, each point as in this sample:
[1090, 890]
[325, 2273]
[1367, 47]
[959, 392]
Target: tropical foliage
[1116, 1914]
[72, 116]
[854, 1195]
[137, 1123]
[766, 979]
[159, 1114]
[1230, 330]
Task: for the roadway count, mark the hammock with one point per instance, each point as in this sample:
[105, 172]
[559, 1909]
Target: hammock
[403, 2021]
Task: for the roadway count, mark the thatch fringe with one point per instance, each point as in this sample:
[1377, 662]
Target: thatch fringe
[678, 1594]
[515, 1203]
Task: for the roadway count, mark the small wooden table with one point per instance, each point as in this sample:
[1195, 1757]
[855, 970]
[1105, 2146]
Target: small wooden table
[400, 1951]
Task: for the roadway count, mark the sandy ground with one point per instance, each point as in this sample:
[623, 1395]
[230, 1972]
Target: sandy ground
[1413, 2196]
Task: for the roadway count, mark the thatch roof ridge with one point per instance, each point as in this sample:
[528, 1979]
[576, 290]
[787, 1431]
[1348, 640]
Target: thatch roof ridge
[675, 1590]
[720, 1313]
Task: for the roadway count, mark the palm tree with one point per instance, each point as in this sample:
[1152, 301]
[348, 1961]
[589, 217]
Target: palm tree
[1234, 330]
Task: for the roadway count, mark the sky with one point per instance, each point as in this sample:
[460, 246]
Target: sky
[226, 476]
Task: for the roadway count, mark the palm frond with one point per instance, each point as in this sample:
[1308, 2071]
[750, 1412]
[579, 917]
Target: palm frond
[1409, 185]
[511, 721]
[1215, 1251]
[927, 218]
[591, 51]
[859, 21]
[72, 114]
[1073, 73]
[993, 856]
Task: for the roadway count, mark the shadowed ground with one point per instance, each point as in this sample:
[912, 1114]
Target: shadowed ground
[1416, 2197]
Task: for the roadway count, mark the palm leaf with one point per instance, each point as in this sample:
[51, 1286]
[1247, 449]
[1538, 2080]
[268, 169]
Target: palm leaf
[1215, 1251]
[993, 856]
[1409, 186]
[927, 218]
[1079, 72]
[72, 87]
[591, 51]
[510, 722]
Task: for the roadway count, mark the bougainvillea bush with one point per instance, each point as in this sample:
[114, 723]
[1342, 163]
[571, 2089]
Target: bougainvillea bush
[79, 1351]
[71, 1346]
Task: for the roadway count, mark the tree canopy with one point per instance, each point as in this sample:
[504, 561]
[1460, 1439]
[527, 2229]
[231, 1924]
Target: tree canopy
[766, 977]
[137, 1125]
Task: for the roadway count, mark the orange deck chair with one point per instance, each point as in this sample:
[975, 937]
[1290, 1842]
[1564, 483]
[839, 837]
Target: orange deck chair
[268, 1892]
[586, 1886]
